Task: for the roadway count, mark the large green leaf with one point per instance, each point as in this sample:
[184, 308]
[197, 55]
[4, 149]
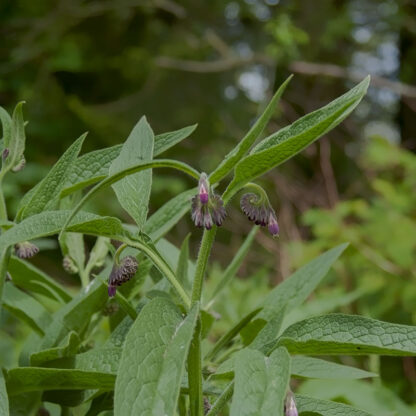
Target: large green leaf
[110, 180]
[326, 408]
[25, 379]
[6, 124]
[26, 308]
[48, 190]
[260, 383]
[133, 191]
[51, 222]
[28, 277]
[244, 145]
[349, 334]
[289, 141]
[4, 400]
[153, 360]
[308, 367]
[93, 166]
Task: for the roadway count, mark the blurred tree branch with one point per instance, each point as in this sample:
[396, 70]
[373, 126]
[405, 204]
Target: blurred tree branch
[300, 67]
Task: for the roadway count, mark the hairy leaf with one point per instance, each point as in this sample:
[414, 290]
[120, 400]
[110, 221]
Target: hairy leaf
[308, 367]
[133, 191]
[244, 145]
[289, 141]
[326, 408]
[25, 379]
[349, 334]
[260, 383]
[47, 192]
[153, 360]
[93, 166]
[4, 400]
[28, 277]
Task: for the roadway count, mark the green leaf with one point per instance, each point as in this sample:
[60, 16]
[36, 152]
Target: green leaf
[6, 123]
[260, 383]
[182, 269]
[73, 246]
[349, 334]
[169, 214]
[51, 222]
[289, 141]
[244, 145]
[93, 166]
[25, 379]
[235, 264]
[293, 291]
[75, 315]
[47, 192]
[308, 367]
[326, 408]
[4, 400]
[26, 308]
[133, 191]
[153, 360]
[28, 277]
[67, 347]
[110, 180]
[14, 136]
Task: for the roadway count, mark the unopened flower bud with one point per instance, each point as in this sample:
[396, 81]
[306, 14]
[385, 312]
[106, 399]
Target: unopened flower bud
[25, 250]
[121, 273]
[290, 406]
[203, 189]
[20, 165]
[207, 207]
[69, 265]
[4, 155]
[260, 212]
[207, 405]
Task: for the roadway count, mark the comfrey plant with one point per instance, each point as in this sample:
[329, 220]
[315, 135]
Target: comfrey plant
[142, 298]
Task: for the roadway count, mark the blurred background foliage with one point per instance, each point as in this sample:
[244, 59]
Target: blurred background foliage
[98, 66]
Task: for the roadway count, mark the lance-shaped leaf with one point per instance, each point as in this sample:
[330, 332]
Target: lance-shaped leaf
[244, 145]
[133, 191]
[26, 308]
[47, 192]
[308, 367]
[349, 334]
[93, 166]
[6, 124]
[308, 405]
[153, 360]
[4, 400]
[28, 277]
[26, 379]
[289, 141]
[260, 383]
[51, 222]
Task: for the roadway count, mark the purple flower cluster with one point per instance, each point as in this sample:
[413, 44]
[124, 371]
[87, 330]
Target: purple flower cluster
[260, 211]
[25, 250]
[207, 207]
[290, 405]
[121, 273]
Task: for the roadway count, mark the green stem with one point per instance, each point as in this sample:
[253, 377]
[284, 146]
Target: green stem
[201, 265]
[163, 267]
[195, 374]
[194, 357]
[3, 208]
[118, 252]
[222, 400]
[84, 277]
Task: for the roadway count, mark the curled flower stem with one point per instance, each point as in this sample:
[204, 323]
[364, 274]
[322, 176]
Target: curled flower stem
[257, 189]
[118, 253]
[160, 263]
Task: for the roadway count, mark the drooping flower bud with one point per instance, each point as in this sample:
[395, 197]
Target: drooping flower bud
[25, 250]
[207, 405]
[259, 211]
[207, 207]
[121, 273]
[69, 265]
[290, 406]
